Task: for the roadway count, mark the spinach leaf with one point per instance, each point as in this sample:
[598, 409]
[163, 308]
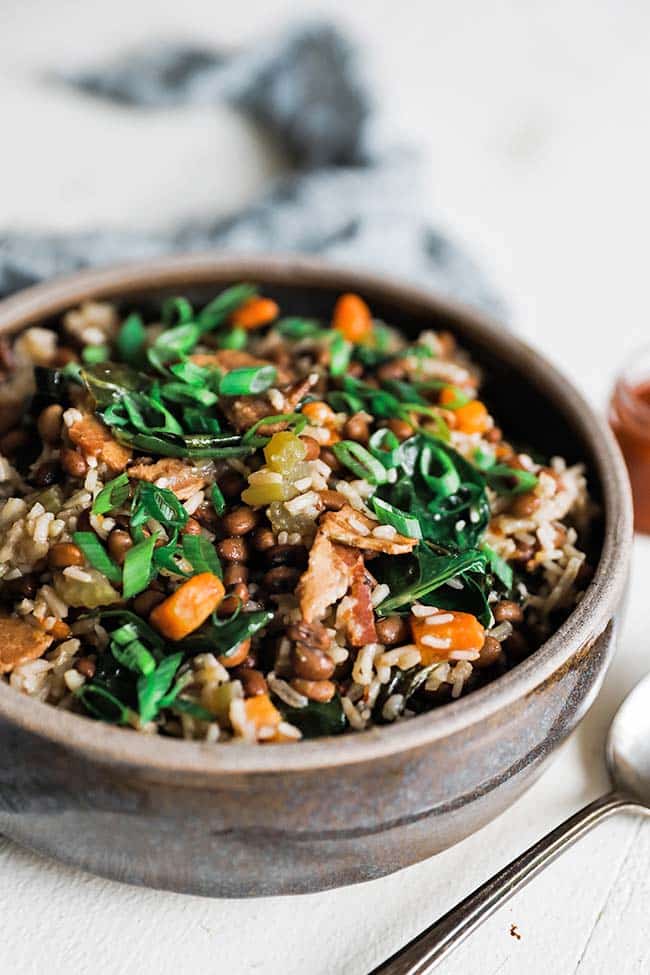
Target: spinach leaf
[432, 571]
[316, 718]
[404, 682]
[222, 639]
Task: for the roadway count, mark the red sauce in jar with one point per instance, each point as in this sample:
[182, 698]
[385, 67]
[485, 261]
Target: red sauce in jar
[630, 421]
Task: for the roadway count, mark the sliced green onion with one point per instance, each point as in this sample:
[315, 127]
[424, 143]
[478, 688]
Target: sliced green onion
[189, 372]
[133, 655]
[91, 695]
[220, 308]
[201, 555]
[153, 687]
[131, 339]
[448, 480]
[234, 338]
[296, 421]
[248, 380]
[510, 480]
[483, 458]
[142, 630]
[184, 393]
[188, 707]
[112, 495]
[151, 501]
[196, 420]
[389, 515]
[384, 446]
[93, 354]
[359, 461]
[97, 555]
[345, 402]
[460, 398]
[340, 353]
[299, 328]
[217, 498]
[137, 567]
[176, 311]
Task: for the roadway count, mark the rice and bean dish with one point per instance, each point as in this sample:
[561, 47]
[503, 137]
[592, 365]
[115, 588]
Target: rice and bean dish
[229, 523]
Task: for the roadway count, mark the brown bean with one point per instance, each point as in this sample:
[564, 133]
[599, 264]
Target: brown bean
[313, 635]
[263, 538]
[232, 484]
[357, 428]
[282, 578]
[516, 646]
[490, 653]
[73, 462]
[508, 610]
[392, 630]
[312, 447]
[25, 586]
[394, 369]
[50, 423]
[234, 574]
[310, 663]
[525, 505]
[191, 527]
[118, 544]
[240, 521]
[147, 600]
[237, 597]
[253, 682]
[12, 442]
[400, 428]
[315, 690]
[329, 457]
[64, 554]
[236, 658]
[86, 666]
[233, 549]
[523, 553]
[47, 474]
[287, 555]
[333, 500]
[493, 435]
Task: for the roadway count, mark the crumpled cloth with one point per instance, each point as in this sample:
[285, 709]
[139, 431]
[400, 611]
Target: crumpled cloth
[349, 197]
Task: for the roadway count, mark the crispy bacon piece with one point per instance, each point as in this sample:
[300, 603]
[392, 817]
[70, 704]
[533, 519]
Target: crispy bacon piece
[351, 527]
[180, 477]
[244, 411]
[94, 438]
[325, 581]
[20, 642]
[359, 615]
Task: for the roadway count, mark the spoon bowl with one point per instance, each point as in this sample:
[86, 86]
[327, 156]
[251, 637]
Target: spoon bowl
[628, 744]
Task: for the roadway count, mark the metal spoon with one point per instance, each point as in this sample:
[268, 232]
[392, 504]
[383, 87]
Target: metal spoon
[628, 762]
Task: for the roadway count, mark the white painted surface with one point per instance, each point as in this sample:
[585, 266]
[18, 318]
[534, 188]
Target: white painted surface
[536, 119]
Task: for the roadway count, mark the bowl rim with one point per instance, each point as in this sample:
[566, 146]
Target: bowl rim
[108, 744]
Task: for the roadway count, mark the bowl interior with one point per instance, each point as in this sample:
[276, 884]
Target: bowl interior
[536, 406]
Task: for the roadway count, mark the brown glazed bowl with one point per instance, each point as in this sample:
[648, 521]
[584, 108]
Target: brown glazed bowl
[242, 820]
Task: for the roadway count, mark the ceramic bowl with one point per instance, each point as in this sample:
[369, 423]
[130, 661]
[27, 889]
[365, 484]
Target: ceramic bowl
[241, 820]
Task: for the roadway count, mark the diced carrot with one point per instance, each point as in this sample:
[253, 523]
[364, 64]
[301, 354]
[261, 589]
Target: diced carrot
[319, 413]
[471, 417]
[322, 415]
[255, 313]
[188, 607]
[352, 318]
[261, 711]
[463, 632]
[60, 630]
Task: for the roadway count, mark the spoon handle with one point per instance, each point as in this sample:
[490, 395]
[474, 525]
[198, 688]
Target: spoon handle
[422, 954]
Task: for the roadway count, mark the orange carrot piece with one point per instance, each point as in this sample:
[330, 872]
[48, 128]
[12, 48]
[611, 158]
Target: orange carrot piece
[463, 631]
[188, 607]
[261, 711]
[471, 417]
[352, 318]
[255, 313]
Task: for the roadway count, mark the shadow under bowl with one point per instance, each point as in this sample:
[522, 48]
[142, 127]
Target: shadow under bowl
[240, 820]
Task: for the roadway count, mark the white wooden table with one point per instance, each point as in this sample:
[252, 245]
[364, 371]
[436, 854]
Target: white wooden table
[536, 119]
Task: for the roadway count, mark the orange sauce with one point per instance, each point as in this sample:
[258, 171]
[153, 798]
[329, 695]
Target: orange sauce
[630, 421]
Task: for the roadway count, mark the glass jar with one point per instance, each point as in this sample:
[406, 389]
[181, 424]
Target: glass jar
[629, 418]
